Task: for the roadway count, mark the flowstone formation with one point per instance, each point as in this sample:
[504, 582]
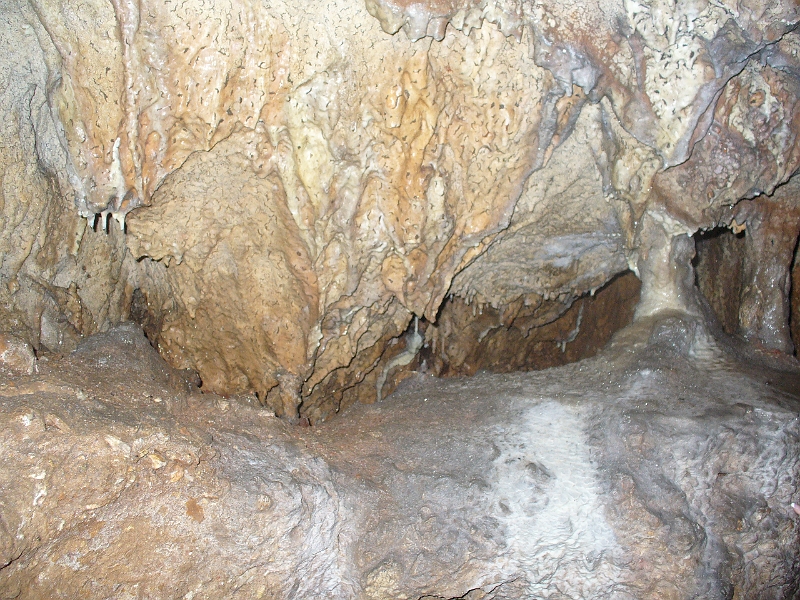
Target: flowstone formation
[302, 201]
[665, 467]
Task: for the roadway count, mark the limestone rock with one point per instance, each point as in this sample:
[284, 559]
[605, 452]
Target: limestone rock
[651, 471]
[470, 338]
[279, 193]
[303, 204]
[733, 270]
[773, 227]
[16, 356]
[59, 278]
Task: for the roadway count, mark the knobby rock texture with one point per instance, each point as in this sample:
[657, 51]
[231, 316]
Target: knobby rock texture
[301, 204]
[663, 468]
[302, 200]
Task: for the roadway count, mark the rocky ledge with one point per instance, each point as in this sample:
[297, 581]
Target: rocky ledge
[663, 468]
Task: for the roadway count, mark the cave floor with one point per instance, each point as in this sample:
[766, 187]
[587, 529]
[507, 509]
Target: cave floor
[662, 468]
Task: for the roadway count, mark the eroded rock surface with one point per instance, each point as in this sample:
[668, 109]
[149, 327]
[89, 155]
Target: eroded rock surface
[659, 469]
[470, 338]
[279, 192]
[59, 279]
[303, 201]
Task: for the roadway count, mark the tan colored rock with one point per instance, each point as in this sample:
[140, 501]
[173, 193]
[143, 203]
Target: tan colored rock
[59, 278]
[660, 63]
[16, 356]
[367, 231]
[309, 200]
[244, 288]
[277, 192]
[568, 235]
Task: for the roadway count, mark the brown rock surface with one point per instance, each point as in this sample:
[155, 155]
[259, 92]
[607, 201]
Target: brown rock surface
[795, 301]
[470, 338]
[658, 469]
[307, 206]
[750, 279]
[278, 192]
[720, 254]
[773, 227]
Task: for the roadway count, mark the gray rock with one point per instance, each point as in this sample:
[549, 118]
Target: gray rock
[641, 473]
[16, 356]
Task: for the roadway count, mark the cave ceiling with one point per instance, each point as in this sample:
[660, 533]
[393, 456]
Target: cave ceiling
[280, 191]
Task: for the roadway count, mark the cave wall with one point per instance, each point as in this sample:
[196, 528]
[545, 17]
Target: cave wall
[59, 277]
[280, 192]
[468, 338]
[750, 279]
[720, 254]
[795, 301]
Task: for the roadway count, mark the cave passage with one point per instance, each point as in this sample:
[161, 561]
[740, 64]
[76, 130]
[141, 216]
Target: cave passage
[721, 275]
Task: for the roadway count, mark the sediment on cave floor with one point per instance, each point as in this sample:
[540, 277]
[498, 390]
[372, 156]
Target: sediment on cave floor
[663, 467]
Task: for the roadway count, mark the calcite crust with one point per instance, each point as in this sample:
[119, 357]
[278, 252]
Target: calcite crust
[281, 191]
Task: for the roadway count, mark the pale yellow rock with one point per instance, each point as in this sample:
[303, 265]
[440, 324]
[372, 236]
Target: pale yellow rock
[156, 461]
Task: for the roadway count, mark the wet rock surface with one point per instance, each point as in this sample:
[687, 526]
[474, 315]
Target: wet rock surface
[304, 205]
[662, 468]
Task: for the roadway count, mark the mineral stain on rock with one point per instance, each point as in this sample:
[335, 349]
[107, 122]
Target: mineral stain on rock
[659, 468]
[286, 204]
[194, 510]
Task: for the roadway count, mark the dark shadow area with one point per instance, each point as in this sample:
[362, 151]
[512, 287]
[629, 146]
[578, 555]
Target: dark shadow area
[718, 271]
[467, 338]
[794, 299]
[142, 313]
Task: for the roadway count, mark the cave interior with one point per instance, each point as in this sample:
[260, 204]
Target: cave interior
[382, 299]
